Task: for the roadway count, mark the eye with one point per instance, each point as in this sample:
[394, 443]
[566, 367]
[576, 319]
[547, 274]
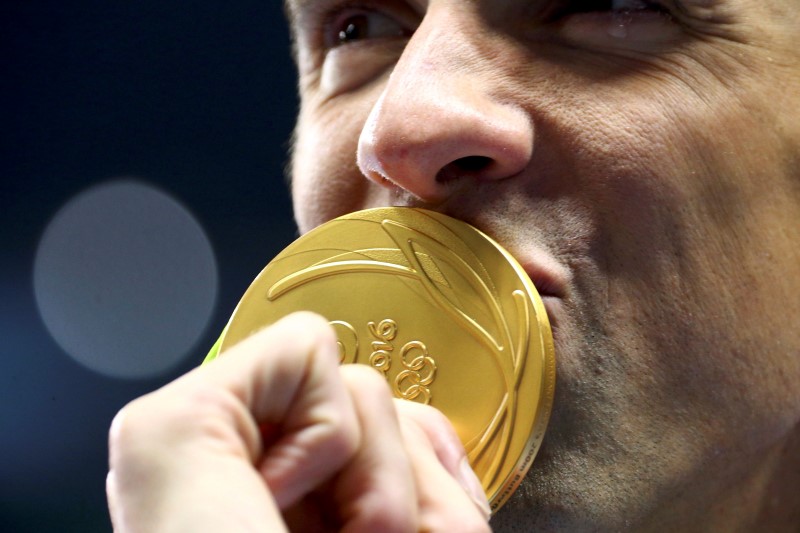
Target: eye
[353, 25]
[614, 22]
[357, 41]
[612, 6]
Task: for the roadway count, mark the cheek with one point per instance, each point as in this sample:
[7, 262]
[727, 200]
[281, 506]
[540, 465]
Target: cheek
[685, 213]
[662, 200]
[635, 180]
[326, 182]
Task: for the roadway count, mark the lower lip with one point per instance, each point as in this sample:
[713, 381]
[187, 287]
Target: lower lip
[552, 302]
[552, 305]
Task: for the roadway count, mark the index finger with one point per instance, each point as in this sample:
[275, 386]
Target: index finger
[287, 376]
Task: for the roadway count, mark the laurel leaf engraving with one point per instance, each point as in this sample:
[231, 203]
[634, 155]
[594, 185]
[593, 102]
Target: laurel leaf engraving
[423, 258]
[412, 243]
[312, 273]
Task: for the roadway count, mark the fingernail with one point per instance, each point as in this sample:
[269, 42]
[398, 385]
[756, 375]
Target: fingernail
[472, 485]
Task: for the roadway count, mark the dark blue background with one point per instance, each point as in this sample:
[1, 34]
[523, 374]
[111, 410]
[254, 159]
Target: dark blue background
[196, 98]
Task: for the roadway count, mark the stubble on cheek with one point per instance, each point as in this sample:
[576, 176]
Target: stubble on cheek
[615, 446]
[611, 450]
[326, 182]
[578, 481]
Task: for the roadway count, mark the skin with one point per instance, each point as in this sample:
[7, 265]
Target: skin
[275, 436]
[651, 159]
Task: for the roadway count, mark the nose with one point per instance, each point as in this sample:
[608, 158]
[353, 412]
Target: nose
[442, 118]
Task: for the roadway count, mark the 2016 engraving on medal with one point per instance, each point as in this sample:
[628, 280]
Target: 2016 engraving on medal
[418, 366]
[383, 333]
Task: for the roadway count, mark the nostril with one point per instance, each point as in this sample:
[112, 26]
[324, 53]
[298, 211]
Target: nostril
[469, 165]
[473, 163]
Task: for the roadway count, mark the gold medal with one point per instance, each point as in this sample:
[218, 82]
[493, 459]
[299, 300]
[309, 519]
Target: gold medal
[441, 310]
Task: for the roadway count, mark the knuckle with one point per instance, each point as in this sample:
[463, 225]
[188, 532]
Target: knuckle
[367, 381]
[428, 417]
[342, 442]
[166, 415]
[306, 323]
[128, 420]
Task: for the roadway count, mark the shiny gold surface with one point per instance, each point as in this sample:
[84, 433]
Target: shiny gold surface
[441, 310]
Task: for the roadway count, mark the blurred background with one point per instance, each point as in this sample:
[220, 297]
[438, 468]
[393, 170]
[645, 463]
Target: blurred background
[141, 190]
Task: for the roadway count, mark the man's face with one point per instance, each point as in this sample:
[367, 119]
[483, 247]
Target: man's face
[642, 161]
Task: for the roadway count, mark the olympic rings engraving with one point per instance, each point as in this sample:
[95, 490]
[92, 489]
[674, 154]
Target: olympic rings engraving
[419, 368]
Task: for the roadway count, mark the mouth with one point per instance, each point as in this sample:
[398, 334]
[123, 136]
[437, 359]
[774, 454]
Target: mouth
[551, 280]
[547, 276]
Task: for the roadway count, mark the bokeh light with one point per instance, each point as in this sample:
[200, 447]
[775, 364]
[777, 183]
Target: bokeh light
[125, 279]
